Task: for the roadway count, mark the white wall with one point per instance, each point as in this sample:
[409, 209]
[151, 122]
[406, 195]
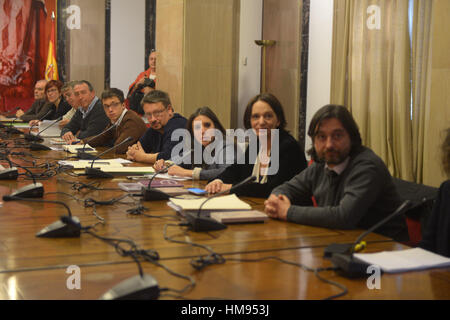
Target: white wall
[127, 42]
[249, 54]
[319, 62]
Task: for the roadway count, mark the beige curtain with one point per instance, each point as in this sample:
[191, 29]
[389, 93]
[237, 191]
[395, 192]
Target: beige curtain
[421, 81]
[371, 76]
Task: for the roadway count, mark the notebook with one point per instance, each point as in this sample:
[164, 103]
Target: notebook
[405, 260]
[228, 217]
[229, 203]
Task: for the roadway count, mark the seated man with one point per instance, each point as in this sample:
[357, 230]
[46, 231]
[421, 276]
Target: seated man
[156, 143]
[351, 184]
[39, 102]
[69, 96]
[90, 118]
[128, 123]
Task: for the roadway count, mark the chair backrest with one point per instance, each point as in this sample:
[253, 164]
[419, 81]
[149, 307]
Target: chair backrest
[423, 198]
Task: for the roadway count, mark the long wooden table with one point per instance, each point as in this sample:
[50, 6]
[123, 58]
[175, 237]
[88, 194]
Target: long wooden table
[35, 268]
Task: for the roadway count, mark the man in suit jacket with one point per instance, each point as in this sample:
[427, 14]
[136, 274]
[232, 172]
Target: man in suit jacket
[90, 118]
[128, 123]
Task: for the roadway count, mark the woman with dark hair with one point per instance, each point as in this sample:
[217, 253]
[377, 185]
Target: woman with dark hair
[274, 162]
[206, 133]
[55, 106]
[436, 236]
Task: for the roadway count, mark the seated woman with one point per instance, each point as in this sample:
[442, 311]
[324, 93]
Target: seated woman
[55, 106]
[263, 114]
[204, 128]
[436, 236]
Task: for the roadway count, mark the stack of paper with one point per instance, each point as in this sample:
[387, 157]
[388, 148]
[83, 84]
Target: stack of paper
[404, 260]
[225, 203]
[48, 128]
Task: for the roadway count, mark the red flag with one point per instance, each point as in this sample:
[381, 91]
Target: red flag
[51, 68]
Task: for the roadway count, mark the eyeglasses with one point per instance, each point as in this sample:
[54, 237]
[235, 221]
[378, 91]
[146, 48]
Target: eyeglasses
[155, 114]
[112, 105]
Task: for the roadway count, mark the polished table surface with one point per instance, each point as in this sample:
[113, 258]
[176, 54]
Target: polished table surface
[35, 268]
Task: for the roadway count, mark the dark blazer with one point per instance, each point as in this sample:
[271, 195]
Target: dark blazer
[32, 113]
[94, 123]
[291, 161]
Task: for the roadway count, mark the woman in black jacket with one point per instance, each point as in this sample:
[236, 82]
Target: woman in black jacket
[55, 105]
[278, 156]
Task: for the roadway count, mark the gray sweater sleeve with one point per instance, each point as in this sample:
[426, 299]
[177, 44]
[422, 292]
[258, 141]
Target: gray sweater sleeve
[224, 159]
[360, 189]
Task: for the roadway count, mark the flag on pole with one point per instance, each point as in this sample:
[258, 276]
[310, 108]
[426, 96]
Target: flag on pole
[51, 68]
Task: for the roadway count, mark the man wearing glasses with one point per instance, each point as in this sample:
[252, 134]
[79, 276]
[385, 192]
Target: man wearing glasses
[156, 143]
[127, 123]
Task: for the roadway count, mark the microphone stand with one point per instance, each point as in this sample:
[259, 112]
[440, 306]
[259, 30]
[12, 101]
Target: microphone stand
[29, 136]
[35, 190]
[92, 172]
[201, 224]
[341, 255]
[153, 194]
[81, 154]
[37, 146]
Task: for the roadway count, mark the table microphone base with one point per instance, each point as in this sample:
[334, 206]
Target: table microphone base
[35, 190]
[97, 173]
[9, 174]
[38, 147]
[13, 130]
[85, 156]
[30, 137]
[350, 266]
[153, 194]
[203, 224]
[59, 229]
[134, 288]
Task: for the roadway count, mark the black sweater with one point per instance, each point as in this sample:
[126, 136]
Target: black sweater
[436, 236]
[291, 162]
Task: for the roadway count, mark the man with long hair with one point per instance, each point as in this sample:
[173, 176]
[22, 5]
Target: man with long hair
[350, 183]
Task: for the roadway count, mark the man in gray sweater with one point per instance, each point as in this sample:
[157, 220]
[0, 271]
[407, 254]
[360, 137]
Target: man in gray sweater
[349, 182]
[90, 118]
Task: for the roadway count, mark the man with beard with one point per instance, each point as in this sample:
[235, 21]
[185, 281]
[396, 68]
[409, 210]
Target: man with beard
[350, 183]
[157, 143]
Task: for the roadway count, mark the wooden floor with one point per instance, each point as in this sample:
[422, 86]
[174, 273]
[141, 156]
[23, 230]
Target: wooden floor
[36, 268]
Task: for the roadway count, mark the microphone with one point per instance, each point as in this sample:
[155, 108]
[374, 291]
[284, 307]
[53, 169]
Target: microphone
[10, 129]
[97, 173]
[201, 224]
[8, 112]
[81, 154]
[30, 137]
[35, 190]
[67, 227]
[341, 255]
[10, 173]
[154, 194]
